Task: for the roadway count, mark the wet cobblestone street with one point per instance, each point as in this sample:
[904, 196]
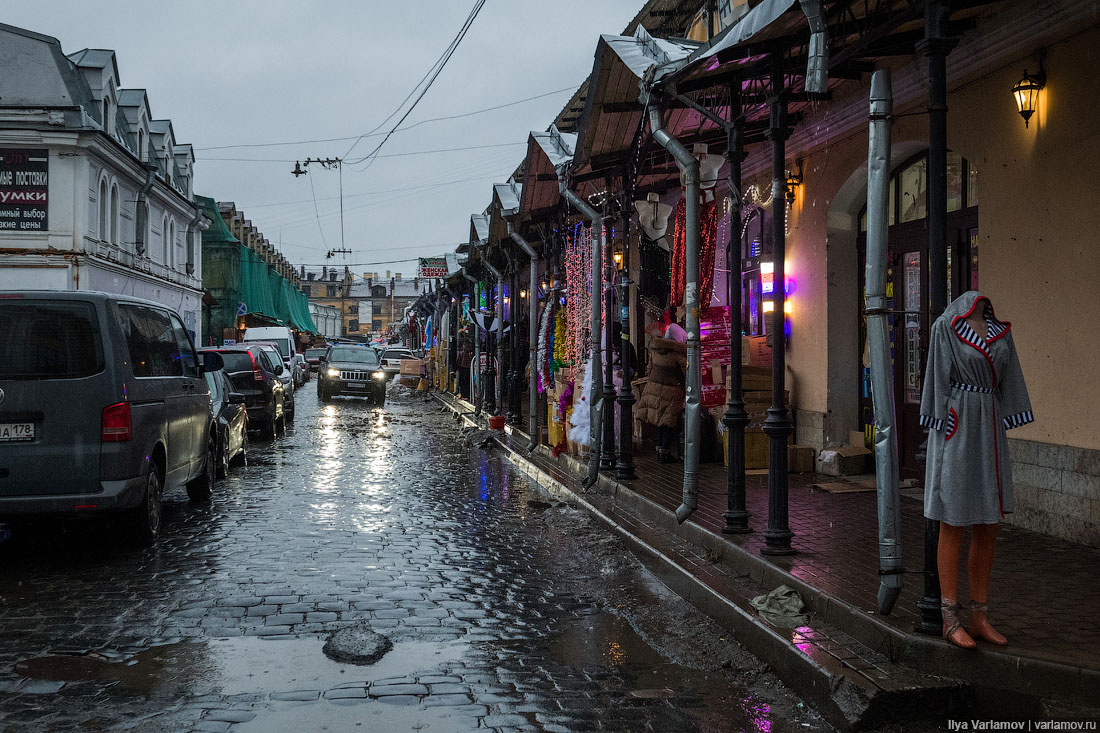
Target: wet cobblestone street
[501, 615]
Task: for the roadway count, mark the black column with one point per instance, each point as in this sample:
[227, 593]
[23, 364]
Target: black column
[624, 469]
[515, 393]
[736, 419]
[607, 415]
[490, 389]
[935, 47]
[777, 425]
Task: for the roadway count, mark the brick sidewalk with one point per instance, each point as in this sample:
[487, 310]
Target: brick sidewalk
[1044, 592]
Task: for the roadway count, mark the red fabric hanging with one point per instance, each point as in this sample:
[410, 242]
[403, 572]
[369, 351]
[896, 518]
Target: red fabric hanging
[708, 216]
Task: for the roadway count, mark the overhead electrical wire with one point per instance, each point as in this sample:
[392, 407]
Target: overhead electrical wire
[379, 134]
[434, 74]
[388, 155]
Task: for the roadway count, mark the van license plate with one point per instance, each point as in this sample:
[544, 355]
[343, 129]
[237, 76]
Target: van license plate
[12, 431]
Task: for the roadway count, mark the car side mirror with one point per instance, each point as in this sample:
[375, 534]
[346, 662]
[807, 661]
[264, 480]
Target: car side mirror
[211, 361]
[235, 398]
[322, 359]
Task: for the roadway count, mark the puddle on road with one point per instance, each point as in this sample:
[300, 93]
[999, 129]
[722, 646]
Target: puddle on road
[238, 665]
[711, 699]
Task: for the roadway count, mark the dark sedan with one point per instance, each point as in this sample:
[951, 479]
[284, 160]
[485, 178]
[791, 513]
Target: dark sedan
[253, 373]
[352, 370]
[232, 421]
[314, 356]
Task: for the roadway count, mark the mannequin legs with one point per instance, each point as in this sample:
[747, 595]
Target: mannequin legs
[979, 566]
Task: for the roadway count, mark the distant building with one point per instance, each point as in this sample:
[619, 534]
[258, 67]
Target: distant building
[95, 194]
[368, 305]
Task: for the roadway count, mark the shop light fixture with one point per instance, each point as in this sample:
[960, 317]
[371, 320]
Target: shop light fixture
[1026, 91]
[794, 180]
[618, 257]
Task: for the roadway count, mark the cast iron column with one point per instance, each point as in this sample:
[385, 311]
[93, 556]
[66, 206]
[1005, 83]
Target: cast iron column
[624, 469]
[515, 411]
[936, 48]
[475, 366]
[777, 426]
[607, 445]
[736, 418]
[490, 398]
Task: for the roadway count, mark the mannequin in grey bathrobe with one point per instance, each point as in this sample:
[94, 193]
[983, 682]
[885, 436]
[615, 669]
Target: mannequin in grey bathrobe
[973, 392]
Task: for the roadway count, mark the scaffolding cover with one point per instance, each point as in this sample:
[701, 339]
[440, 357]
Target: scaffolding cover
[242, 283]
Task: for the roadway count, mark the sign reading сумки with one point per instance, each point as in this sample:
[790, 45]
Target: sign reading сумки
[24, 189]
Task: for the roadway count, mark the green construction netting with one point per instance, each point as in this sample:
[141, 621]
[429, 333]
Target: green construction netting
[241, 282]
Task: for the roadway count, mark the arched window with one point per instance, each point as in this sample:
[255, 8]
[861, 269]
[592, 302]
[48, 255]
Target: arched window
[115, 217]
[166, 245]
[106, 114]
[103, 224]
[172, 242]
[141, 144]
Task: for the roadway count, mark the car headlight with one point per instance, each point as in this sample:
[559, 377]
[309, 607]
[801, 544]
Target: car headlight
[332, 372]
[379, 375]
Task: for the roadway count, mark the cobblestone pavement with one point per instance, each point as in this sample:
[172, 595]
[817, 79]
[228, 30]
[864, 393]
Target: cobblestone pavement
[507, 611]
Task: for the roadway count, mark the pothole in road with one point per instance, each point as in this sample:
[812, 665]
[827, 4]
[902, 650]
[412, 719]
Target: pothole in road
[238, 665]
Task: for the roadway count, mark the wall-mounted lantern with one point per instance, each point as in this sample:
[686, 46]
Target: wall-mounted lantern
[794, 180]
[1026, 91]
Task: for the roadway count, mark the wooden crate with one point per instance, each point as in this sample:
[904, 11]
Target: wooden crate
[756, 449]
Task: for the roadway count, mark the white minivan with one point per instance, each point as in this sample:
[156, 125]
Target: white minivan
[281, 336]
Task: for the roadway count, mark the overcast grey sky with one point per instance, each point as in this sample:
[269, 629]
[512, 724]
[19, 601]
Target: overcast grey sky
[232, 73]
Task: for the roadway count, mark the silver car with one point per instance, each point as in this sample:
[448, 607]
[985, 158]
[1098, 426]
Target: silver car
[103, 407]
[286, 376]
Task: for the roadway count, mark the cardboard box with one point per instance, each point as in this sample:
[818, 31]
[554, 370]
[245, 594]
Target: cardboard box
[800, 459]
[412, 367]
[757, 445]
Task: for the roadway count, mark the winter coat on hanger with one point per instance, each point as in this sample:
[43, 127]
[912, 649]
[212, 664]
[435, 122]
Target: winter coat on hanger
[973, 392]
[662, 400]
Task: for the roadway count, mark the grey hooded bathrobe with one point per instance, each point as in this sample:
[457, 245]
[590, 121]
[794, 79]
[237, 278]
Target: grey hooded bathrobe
[973, 392]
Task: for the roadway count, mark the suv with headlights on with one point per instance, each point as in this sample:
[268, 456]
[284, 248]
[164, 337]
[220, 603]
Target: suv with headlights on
[351, 370]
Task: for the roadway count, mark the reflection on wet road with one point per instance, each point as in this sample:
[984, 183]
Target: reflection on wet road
[357, 515]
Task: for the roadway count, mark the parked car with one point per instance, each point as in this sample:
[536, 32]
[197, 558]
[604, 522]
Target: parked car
[391, 359]
[231, 417]
[103, 407]
[285, 375]
[254, 374]
[314, 356]
[351, 370]
[301, 368]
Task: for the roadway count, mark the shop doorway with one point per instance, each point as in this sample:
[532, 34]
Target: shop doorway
[907, 287]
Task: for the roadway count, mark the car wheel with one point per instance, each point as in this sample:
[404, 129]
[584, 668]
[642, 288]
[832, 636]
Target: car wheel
[288, 414]
[242, 457]
[200, 487]
[222, 462]
[271, 424]
[322, 394]
[146, 517]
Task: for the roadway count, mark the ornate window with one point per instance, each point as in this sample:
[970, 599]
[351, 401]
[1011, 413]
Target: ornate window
[115, 216]
[103, 223]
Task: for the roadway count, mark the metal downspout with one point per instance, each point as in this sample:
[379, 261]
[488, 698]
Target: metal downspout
[882, 381]
[817, 64]
[689, 166]
[142, 222]
[595, 392]
[498, 372]
[532, 336]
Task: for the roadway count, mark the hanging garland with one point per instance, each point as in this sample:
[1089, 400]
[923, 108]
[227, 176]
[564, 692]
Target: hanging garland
[542, 360]
[561, 342]
[578, 266]
[708, 230]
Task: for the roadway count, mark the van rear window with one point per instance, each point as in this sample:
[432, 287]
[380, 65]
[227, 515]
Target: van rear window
[42, 339]
[236, 361]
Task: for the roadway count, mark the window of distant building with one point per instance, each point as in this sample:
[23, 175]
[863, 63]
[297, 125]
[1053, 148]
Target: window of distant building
[165, 249]
[103, 225]
[115, 218]
[307, 290]
[141, 144]
[353, 309]
[353, 326]
[330, 291]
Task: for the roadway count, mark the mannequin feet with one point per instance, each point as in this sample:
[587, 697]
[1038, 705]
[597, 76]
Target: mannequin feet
[980, 627]
[952, 629]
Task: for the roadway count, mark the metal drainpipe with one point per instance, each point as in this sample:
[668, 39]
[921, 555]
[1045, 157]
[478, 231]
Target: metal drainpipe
[882, 383]
[142, 222]
[689, 166]
[498, 371]
[191, 225]
[595, 392]
[817, 64]
[532, 335]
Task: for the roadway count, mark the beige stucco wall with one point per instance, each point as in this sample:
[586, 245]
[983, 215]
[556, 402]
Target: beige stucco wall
[1038, 223]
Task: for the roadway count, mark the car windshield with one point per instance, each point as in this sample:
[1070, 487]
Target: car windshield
[355, 354]
[236, 361]
[314, 353]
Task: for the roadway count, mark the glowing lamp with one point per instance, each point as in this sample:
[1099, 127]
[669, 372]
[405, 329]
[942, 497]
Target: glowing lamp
[618, 257]
[1026, 91]
[523, 293]
[769, 306]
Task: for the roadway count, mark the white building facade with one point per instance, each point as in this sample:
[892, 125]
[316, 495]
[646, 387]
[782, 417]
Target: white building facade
[95, 194]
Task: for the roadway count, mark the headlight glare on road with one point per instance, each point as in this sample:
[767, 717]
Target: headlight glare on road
[333, 372]
[379, 375]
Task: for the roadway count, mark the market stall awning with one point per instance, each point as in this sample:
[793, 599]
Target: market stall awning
[548, 153]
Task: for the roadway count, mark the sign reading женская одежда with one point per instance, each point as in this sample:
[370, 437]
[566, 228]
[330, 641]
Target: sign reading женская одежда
[24, 189]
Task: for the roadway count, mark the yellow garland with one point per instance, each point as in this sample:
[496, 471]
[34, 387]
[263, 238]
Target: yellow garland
[561, 338]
